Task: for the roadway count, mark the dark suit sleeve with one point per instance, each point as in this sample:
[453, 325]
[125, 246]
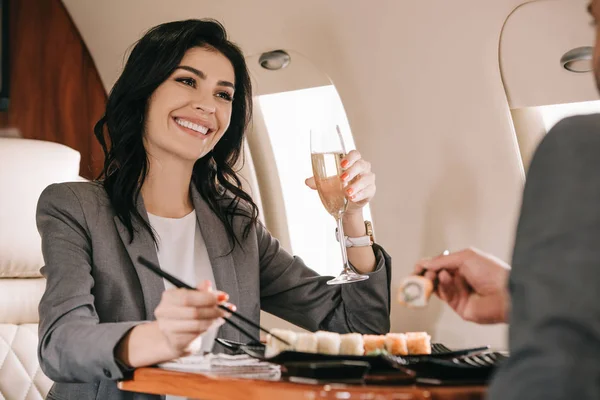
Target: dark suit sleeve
[296, 293]
[73, 345]
[555, 317]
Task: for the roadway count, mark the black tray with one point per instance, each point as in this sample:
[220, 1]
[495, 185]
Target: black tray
[465, 370]
[328, 371]
[444, 365]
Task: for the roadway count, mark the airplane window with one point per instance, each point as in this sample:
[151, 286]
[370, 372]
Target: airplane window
[289, 117]
[532, 123]
[554, 113]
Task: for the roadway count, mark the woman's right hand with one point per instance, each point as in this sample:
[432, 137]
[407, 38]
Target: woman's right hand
[183, 315]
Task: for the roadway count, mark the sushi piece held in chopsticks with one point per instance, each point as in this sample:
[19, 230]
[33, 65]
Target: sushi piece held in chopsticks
[415, 291]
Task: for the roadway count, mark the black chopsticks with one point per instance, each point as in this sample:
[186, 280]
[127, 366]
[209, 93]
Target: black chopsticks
[176, 282]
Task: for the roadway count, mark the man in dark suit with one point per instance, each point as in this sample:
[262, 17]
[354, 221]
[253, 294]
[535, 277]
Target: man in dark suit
[553, 307]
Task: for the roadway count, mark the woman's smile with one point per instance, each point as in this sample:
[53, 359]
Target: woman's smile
[195, 127]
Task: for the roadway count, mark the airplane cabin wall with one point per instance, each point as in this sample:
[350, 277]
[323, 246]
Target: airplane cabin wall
[534, 39]
[422, 88]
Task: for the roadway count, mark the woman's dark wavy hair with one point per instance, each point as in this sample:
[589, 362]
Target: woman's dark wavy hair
[152, 60]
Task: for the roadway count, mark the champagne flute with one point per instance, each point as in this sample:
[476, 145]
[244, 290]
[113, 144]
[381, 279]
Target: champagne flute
[327, 151]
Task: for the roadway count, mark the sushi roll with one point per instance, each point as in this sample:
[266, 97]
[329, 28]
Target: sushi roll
[418, 343]
[415, 291]
[396, 344]
[352, 344]
[306, 343]
[328, 342]
[276, 346]
[374, 343]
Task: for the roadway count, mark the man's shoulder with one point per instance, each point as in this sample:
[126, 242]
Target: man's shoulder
[581, 129]
[572, 138]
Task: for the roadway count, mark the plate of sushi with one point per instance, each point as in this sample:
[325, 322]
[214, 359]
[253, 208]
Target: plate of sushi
[406, 352]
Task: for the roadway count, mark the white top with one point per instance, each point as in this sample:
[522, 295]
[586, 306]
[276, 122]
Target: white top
[182, 253]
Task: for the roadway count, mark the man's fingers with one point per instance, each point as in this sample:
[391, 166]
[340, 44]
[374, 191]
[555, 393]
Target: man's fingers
[431, 275]
[446, 288]
[463, 287]
[450, 261]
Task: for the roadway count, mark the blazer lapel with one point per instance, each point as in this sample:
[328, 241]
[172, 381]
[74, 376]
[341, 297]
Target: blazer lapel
[218, 248]
[143, 245]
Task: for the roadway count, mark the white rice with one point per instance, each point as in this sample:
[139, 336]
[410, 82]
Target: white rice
[352, 344]
[328, 342]
[275, 346]
[306, 343]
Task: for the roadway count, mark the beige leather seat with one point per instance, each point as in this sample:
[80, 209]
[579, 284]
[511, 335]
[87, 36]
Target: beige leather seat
[26, 168]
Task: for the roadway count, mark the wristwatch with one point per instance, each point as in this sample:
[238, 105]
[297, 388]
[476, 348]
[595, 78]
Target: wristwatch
[360, 241]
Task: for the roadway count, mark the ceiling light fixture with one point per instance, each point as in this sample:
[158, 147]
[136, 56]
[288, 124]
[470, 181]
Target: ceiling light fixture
[274, 60]
[578, 60]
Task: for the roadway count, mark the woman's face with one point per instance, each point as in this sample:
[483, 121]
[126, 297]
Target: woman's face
[190, 111]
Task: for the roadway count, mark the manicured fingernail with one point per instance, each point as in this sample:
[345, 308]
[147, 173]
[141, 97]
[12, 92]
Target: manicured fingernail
[352, 197]
[223, 297]
[349, 191]
[344, 176]
[344, 163]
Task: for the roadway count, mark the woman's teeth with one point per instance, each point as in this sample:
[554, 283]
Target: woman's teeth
[198, 128]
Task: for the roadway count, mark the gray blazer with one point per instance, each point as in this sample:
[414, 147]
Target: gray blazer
[96, 291]
[555, 318]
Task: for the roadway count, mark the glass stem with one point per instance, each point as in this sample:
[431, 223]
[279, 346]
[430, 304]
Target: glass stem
[342, 239]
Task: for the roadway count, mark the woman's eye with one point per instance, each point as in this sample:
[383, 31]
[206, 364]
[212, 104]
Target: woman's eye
[187, 81]
[225, 96]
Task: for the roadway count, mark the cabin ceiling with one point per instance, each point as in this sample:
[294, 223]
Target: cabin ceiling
[109, 27]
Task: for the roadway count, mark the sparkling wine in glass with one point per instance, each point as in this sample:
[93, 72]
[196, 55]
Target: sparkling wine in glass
[327, 151]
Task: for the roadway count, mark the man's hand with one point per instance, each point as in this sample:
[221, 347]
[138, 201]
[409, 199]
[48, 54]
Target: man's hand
[472, 283]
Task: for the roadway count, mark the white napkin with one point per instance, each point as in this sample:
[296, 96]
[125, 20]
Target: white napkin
[241, 366]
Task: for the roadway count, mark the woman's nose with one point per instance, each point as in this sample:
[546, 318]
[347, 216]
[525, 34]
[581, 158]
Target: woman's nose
[204, 107]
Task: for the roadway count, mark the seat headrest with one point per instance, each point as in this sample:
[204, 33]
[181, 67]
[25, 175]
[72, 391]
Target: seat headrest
[27, 167]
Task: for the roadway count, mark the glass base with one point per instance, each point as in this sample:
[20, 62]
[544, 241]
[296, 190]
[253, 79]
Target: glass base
[347, 277]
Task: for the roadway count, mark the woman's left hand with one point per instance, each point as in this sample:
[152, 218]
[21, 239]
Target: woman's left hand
[359, 180]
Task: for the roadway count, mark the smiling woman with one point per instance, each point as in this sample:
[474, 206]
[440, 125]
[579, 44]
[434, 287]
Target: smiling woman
[172, 133]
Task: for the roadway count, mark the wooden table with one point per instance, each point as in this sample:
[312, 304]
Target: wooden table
[205, 387]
